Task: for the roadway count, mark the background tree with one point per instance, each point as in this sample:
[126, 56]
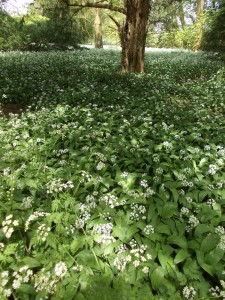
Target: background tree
[98, 29]
[214, 31]
[132, 31]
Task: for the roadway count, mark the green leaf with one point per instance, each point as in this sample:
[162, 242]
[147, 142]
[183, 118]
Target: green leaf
[125, 234]
[157, 278]
[203, 264]
[209, 243]
[77, 244]
[27, 289]
[200, 229]
[181, 256]
[31, 262]
[169, 209]
[214, 256]
[177, 240]
[163, 228]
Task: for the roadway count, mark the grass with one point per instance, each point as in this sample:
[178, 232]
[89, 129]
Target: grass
[112, 185]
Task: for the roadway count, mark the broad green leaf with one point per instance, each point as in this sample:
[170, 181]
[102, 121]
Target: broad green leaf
[77, 244]
[181, 256]
[163, 228]
[169, 209]
[125, 234]
[157, 277]
[200, 229]
[209, 243]
[31, 262]
[177, 240]
[27, 289]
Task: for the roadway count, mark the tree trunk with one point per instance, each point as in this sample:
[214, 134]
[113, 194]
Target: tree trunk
[133, 35]
[98, 30]
[181, 15]
[199, 23]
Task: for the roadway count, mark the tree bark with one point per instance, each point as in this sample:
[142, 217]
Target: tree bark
[181, 15]
[98, 29]
[133, 35]
[199, 23]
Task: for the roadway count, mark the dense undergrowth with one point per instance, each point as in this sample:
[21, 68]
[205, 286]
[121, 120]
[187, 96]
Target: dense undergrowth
[112, 186]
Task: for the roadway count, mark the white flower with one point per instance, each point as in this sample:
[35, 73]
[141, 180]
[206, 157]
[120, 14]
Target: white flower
[149, 229]
[60, 269]
[16, 283]
[189, 293]
[212, 169]
[145, 270]
[100, 166]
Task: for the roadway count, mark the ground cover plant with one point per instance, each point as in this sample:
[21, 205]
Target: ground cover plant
[112, 186]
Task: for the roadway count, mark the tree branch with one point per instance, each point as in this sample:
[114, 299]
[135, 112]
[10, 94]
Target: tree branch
[116, 22]
[97, 5]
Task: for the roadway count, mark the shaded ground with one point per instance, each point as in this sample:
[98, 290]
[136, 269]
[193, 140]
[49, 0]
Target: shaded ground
[12, 108]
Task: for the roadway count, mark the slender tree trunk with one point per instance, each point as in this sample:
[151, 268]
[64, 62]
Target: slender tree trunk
[199, 23]
[133, 35]
[98, 29]
[181, 16]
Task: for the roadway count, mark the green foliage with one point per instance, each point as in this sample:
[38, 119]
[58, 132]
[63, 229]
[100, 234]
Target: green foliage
[112, 185]
[214, 33]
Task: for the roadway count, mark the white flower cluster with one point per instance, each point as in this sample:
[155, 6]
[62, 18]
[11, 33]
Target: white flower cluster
[78, 268]
[218, 292]
[144, 183]
[42, 232]
[110, 200]
[105, 231]
[137, 255]
[90, 199]
[124, 175]
[6, 172]
[184, 211]
[159, 171]
[44, 280]
[4, 279]
[149, 229]
[61, 152]
[84, 216]
[23, 275]
[221, 244]
[220, 230]
[212, 169]
[57, 186]
[86, 176]
[100, 165]
[167, 145]
[192, 223]
[211, 202]
[34, 216]
[189, 292]
[1, 246]
[8, 226]
[27, 202]
[100, 156]
[137, 212]
[60, 269]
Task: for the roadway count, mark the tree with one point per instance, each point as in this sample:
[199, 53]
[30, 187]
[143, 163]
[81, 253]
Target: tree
[214, 29]
[98, 29]
[199, 23]
[132, 32]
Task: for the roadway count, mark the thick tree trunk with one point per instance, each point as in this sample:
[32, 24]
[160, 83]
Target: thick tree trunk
[199, 23]
[98, 29]
[133, 35]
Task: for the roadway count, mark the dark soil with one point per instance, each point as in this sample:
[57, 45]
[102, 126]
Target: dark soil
[11, 108]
